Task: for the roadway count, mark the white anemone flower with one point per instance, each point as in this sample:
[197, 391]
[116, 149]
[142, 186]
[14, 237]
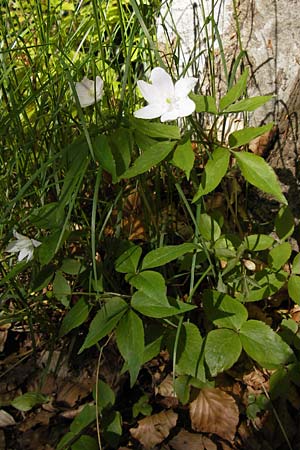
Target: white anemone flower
[165, 99]
[22, 245]
[89, 91]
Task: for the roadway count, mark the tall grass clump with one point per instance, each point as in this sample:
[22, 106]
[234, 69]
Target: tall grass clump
[120, 225]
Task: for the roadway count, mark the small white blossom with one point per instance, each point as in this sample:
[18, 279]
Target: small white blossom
[89, 91]
[165, 99]
[22, 245]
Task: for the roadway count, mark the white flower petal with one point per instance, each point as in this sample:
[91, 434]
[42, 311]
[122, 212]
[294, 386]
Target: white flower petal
[99, 87]
[149, 112]
[184, 86]
[19, 236]
[12, 247]
[35, 243]
[150, 92]
[169, 115]
[24, 253]
[89, 91]
[22, 245]
[186, 107]
[162, 80]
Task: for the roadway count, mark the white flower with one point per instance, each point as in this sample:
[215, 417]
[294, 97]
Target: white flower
[22, 245]
[89, 91]
[165, 99]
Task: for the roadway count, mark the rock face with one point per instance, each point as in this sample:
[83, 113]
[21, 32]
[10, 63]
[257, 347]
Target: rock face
[269, 33]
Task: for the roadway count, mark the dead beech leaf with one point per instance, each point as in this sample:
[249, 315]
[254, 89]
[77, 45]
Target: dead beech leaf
[185, 440]
[154, 429]
[214, 411]
[166, 388]
[6, 420]
[70, 392]
[263, 144]
[41, 418]
[3, 335]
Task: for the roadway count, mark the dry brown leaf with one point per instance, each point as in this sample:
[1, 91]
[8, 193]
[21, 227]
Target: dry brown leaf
[214, 411]
[256, 380]
[225, 446]
[166, 388]
[3, 335]
[6, 420]
[154, 429]
[192, 441]
[70, 392]
[262, 144]
[295, 313]
[41, 418]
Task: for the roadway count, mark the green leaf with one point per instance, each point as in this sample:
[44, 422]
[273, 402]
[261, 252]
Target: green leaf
[121, 144]
[144, 142]
[184, 157]
[258, 242]
[27, 401]
[104, 156]
[151, 299]
[72, 266]
[78, 165]
[86, 416]
[222, 350]
[284, 223]
[105, 321]
[224, 248]
[296, 265]
[270, 281]
[294, 370]
[248, 104]
[157, 307]
[154, 335]
[150, 282]
[42, 278]
[75, 317]
[243, 137]
[164, 255]
[112, 428]
[190, 352]
[46, 252]
[106, 396]
[182, 388]
[130, 341]
[215, 170]
[263, 345]
[279, 383]
[85, 442]
[49, 216]
[209, 228]
[288, 331]
[142, 407]
[294, 288]
[279, 255]
[204, 103]
[149, 158]
[235, 92]
[61, 288]
[223, 310]
[128, 261]
[156, 130]
[66, 440]
[257, 172]
[18, 268]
